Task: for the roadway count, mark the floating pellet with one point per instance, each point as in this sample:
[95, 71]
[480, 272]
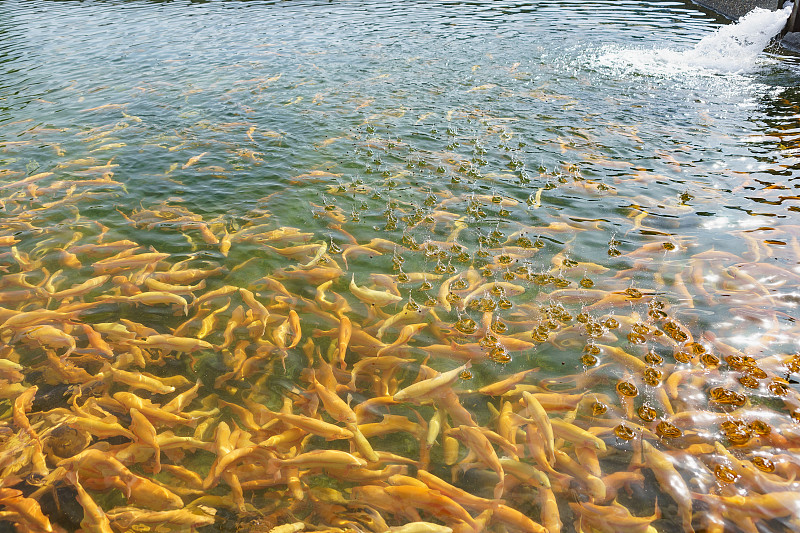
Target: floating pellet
[588, 360]
[647, 413]
[759, 427]
[624, 432]
[763, 464]
[632, 293]
[636, 338]
[652, 376]
[667, 430]
[627, 389]
[652, 358]
[779, 387]
[725, 474]
[466, 325]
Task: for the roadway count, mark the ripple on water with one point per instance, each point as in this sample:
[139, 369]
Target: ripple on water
[565, 214]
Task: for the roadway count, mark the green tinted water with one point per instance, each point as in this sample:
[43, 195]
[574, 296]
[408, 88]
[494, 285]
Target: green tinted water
[511, 138]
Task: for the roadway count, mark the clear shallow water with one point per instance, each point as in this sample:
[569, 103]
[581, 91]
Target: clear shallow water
[595, 128]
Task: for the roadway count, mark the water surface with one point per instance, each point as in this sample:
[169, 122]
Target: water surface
[625, 164]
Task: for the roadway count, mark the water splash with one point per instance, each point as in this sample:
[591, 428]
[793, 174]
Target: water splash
[732, 49]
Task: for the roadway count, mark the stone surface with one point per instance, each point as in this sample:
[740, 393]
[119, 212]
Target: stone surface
[792, 41]
[734, 9]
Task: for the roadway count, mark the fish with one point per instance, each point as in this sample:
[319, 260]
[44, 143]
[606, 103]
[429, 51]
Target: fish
[46, 335]
[27, 510]
[117, 264]
[26, 319]
[294, 323]
[159, 286]
[525, 472]
[345, 333]
[372, 297]
[514, 519]
[576, 435]
[505, 385]
[94, 518]
[508, 289]
[192, 160]
[429, 387]
[25, 181]
[431, 500]
[138, 380]
[313, 425]
[145, 434]
[406, 334]
[420, 527]
[477, 442]
[105, 107]
[459, 496]
[321, 459]
[173, 343]
[483, 87]
[189, 275]
[670, 481]
[543, 424]
[613, 517]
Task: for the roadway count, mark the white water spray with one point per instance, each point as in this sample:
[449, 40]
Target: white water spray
[733, 48]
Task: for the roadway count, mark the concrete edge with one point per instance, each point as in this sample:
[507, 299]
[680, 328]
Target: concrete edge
[734, 9]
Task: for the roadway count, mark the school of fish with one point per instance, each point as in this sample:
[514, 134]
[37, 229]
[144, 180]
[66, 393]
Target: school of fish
[166, 381]
[460, 366]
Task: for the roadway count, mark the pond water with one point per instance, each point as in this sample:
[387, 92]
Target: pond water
[233, 232]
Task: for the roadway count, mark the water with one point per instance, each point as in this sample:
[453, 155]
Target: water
[628, 168]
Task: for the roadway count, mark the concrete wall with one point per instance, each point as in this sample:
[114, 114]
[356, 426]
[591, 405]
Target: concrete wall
[733, 9]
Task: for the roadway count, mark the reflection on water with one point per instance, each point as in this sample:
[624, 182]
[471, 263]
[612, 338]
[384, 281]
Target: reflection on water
[351, 266]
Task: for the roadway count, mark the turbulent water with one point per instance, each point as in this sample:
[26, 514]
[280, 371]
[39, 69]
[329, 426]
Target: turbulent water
[371, 266]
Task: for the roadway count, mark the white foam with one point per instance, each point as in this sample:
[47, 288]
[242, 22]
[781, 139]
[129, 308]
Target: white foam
[731, 49]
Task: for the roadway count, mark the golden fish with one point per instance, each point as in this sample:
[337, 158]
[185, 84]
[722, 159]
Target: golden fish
[406, 334]
[187, 518]
[477, 442]
[503, 386]
[576, 435]
[94, 519]
[113, 265]
[139, 381]
[460, 496]
[177, 344]
[431, 500]
[428, 387]
[321, 459]
[149, 409]
[48, 336]
[27, 509]
[193, 160]
[543, 424]
[614, 518]
[145, 434]
[372, 297]
[313, 425]
[670, 481]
